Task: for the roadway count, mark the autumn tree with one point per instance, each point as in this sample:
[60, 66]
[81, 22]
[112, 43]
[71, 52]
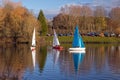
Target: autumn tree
[42, 20]
[77, 15]
[60, 23]
[17, 22]
[2, 17]
[69, 15]
[115, 18]
[86, 19]
[99, 19]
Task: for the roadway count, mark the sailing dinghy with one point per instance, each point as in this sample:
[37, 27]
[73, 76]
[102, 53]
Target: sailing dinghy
[77, 44]
[56, 44]
[33, 41]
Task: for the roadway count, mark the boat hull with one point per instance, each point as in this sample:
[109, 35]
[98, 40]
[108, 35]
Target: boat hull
[58, 47]
[33, 48]
[77, 49]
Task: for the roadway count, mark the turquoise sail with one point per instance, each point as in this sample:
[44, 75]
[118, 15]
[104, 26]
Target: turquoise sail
[77, 40]
[77, 59]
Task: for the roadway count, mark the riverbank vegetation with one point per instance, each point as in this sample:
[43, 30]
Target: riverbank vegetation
[86, 39]
[16, 22]
[98, 20]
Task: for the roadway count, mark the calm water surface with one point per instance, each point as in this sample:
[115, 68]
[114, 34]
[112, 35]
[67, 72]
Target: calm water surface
[99, 62]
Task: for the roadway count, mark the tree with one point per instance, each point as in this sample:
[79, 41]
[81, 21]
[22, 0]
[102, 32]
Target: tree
[100, 11]
[115, 17]
[86, 19]
[16, 23]
[99, 18]
[42, 20]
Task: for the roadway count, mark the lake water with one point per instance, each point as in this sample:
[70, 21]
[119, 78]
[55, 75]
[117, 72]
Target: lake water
[99, 62]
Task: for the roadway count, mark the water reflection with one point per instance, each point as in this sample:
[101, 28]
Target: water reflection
[98, 62]
[77, 59]
[34, 57]
[39, 57]
[42, 56]
[55, 55]
[102, 61]
[13, 61]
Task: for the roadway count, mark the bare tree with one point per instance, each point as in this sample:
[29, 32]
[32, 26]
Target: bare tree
[100, 11]
[99, 18]
[115, 18]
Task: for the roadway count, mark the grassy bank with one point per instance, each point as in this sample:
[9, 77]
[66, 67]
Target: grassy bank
[87, 39]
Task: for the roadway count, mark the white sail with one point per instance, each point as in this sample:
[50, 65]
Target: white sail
[33, 38]
[55, 39]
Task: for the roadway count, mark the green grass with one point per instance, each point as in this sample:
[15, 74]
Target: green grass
[86, 39]
[101, 39]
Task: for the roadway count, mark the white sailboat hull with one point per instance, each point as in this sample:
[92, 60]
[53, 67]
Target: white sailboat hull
[77, 49]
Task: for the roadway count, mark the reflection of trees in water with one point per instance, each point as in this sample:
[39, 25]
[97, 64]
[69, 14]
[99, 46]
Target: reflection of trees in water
[65, 66]
[41, 57]
[67, 62]
[14, 61]
[114, 59]
[97, 59]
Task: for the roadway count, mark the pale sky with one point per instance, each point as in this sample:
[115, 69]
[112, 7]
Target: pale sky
[53, 6]
[49, 6]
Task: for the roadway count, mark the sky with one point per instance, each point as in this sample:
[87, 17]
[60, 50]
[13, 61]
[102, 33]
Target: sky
[53, 6]
[49, 6]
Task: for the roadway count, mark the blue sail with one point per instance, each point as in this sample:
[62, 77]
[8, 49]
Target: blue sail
[77, 40]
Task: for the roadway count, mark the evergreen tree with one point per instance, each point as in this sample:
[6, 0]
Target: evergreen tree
[42, 20]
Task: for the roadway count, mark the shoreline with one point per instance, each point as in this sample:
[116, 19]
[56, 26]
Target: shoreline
[68, 39]
[93, 42]
[86, 39]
